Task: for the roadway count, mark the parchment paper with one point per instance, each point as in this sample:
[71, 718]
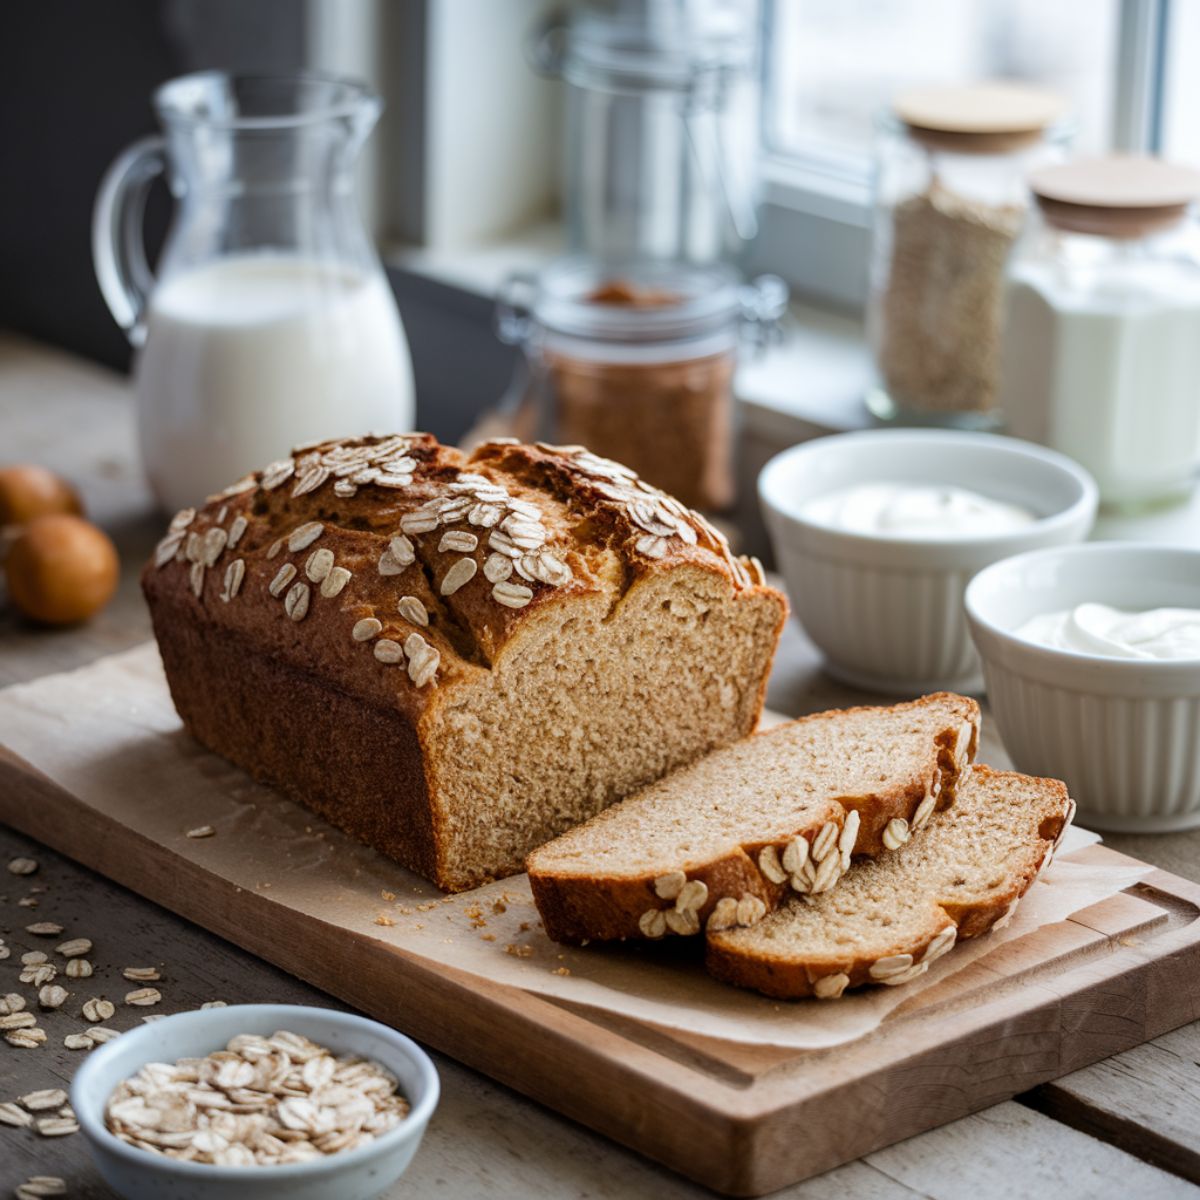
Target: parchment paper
[109, 735]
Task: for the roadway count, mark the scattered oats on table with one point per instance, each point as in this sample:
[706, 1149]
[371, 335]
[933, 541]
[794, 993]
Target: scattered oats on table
[75, 948]
[26, 1039]
[78, 1041]
[141, 974]
[44, 929]
[44, 1100]
[98, 1009]
[52, 996]
[38, 1186]
[143, 997]
[15, 1115]
[78, 968]
[201, 831]
[22, 866]
[57, 1126]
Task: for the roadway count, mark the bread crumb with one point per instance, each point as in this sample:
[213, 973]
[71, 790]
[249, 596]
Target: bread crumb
[474, 912]
[386, 895]
[561, 971]
[518, 951]
[1127, 940]
[524, 927]
[488, 937]
[426, 907]
[405, 909]
[384, 919]
[499, 906]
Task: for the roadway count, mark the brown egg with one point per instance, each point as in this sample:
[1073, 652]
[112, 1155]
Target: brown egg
[28, 491]
[61, 569]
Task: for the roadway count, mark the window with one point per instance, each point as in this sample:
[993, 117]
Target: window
[831, 65]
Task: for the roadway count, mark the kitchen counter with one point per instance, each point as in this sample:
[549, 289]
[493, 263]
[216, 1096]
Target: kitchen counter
[1125, 1126]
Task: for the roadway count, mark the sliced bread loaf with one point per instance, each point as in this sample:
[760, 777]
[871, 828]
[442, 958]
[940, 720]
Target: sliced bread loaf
[722, 842]
[893, 916]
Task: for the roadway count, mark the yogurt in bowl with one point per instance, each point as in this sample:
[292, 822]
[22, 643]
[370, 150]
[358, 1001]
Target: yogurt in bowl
[1092, 659]
[878, 533]
[916, 510]
[1158, 633]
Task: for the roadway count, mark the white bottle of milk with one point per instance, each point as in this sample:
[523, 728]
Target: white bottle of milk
[270, 322]
[249, 355]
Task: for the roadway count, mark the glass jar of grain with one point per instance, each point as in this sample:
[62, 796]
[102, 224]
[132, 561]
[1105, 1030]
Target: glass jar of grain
[950, 200]
[635, 361]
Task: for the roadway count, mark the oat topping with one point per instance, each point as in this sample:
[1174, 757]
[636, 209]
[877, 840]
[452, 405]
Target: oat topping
[460, 574]
[413, 611]
[319, 564]
[261, 1101]
[895, 833]
[467, 510]
[388, 651]
[295, 603]
[232, 583]
[304, 535]
[283, 577]
[334, 582]
[75, 948]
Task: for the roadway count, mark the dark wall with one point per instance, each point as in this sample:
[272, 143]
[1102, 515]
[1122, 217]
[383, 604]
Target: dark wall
[75, 84]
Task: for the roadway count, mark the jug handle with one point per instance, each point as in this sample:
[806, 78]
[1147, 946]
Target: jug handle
[118, 245]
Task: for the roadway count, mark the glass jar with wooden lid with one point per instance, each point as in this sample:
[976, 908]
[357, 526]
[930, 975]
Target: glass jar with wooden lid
[635, 361]
[1101, 355]
[950, 200]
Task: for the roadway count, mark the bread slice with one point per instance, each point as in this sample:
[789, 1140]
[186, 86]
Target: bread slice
[723, 841]
[893, 916]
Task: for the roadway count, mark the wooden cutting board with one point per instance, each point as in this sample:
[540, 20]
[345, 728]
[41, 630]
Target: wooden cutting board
[742, 1119]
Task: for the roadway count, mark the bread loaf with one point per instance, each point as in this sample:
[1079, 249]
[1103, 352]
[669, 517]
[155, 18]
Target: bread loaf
[893, 916]
[457, 659]
[724, 841]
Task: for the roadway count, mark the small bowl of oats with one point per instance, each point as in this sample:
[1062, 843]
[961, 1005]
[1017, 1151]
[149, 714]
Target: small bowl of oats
[257, 1101]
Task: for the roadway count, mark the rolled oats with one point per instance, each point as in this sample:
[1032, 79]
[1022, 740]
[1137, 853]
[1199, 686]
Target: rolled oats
[895, 833]
[413, 611]
[668, 886]
[98, 1009]
[78, 1041]
[460, 574]
[366, 629]
[52, 996]
[22, 866]
[141, 974]
[79, 968]
[44, 929]
[143, 997]
[295, 603]
[388, 651]
[263, 1100]
[334, 582]
[44, 1100]
[771, 866]
[831, 987]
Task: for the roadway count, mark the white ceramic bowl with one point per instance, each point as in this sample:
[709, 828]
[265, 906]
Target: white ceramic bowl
[887, 611]
[1124, 734]
[352, 1175]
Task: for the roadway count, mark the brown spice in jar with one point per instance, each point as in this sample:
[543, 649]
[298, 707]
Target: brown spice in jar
[670, 421]
[942, 304]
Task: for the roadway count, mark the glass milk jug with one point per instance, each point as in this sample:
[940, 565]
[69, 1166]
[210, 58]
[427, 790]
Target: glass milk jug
[270, 322]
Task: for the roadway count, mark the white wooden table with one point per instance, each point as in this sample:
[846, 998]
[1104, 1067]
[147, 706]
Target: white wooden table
[1126, 1127]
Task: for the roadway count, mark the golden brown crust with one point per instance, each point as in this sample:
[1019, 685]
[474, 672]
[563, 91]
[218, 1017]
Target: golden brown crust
[783, 976]
[579, 908]
[394, 574]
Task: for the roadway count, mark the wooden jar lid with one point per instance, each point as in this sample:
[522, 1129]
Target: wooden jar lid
[983, 118]
[1120, 195]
